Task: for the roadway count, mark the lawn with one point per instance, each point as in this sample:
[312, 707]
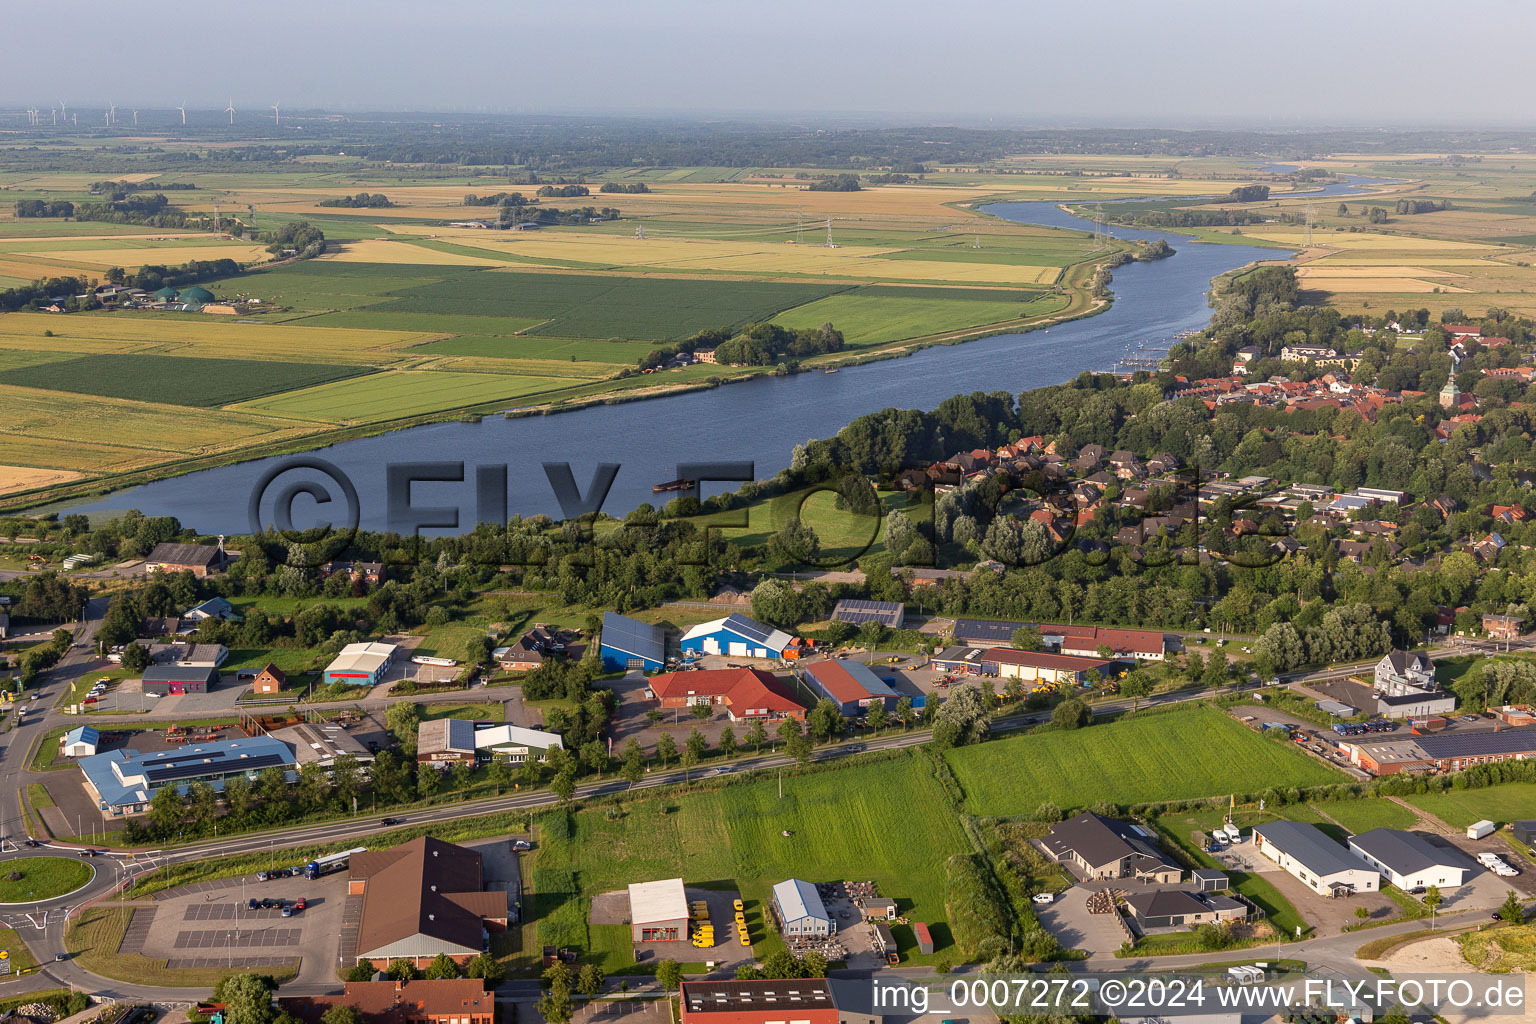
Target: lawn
[1362, 815]
[852, 824]
[468, 712]
[17, 951]
[176, 380]
[387, 396]
[1199, 752]
[1459, 808]
[43, 878]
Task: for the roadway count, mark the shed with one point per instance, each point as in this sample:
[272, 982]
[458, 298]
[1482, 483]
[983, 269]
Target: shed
[924, 939]
[882, 907]
[1208, 879]
[81, 742]
[1524, 831]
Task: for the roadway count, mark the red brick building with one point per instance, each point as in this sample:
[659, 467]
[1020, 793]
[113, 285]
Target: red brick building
[801, 1000]
[743, 692]
[454, 1001]
[269, 680]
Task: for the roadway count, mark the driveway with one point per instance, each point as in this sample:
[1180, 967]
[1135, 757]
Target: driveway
[1075, 928]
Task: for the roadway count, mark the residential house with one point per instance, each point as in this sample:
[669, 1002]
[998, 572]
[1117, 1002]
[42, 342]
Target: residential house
[1101, 848]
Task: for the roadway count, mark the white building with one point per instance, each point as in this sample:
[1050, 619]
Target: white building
[1404, 672]
[515, 743]
[1409, 861]
[1318, 862]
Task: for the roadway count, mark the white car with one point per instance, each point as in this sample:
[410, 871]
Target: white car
[1043, 898]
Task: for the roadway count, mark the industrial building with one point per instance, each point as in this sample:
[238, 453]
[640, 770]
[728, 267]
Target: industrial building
[424, 898]
[797, 1000]
[360, 664]
[323, 743]
[1409, 861]
[852, 685]
[737, 636]
[1077, 641]
[1098, 847]
[800, 912]
[1318, 862]
[890, 614]
[446, 740]
[175, 680]
[124, 781]
[629, 643]
[1010, 663]
[745, 693]
[1444, 752]
[658, 911]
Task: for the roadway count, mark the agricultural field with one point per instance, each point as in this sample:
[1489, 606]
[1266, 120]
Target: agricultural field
[1173, 755]
[391, 395]
[1459, 808]
[175, 380]
[839, 827]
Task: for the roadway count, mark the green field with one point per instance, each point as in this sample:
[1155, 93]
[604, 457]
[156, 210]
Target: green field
[625, 353]
[874, 319]
[593, 306]
[852, 824]
[43, 878]
[1509, 801]
[385, 396]
[1199, 752]
[1364, 814]
[176, 380]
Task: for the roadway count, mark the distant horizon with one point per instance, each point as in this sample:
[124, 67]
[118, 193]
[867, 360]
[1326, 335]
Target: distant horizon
[1193, 62]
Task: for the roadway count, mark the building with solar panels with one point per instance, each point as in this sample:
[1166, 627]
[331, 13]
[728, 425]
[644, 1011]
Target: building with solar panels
[125, 781]
[890, 614]
[737, 636]
[629, 643]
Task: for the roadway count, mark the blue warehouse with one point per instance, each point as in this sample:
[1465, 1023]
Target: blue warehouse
[738, 636]
[630, 643]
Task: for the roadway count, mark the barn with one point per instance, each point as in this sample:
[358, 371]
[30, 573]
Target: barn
[630, 643]
[737, 636]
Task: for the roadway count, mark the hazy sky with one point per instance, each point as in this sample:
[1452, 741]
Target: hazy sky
[1166, 62]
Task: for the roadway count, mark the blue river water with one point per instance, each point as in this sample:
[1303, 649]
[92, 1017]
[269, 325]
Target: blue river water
[758, 420]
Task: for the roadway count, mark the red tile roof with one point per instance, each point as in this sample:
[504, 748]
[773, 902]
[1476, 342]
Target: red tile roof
[735, 687]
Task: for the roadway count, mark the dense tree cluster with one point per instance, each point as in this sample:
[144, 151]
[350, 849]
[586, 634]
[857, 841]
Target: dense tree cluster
[299, 235]
[835, 183]
[44, 208]
[767, 343]
[1248, 194]
[632, 187]
[363, 200]
[564, 191]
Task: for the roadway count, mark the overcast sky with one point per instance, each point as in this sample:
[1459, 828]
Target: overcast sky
[1163, 62]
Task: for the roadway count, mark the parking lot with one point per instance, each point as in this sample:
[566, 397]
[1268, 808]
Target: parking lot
[213, 923]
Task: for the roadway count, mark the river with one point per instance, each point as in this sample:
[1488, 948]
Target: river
[759, 420]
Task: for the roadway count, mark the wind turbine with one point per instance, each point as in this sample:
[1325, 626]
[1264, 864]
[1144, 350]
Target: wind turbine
[183, 109]
[112, 113]
[107, 117]
[64, 109]
[230, 110]
[275, 117]
[55, 112]
[135, 118]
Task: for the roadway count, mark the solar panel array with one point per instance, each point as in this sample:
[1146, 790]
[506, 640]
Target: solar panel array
[856, 611]
[988, 631]
[639, 639]
[751, 629]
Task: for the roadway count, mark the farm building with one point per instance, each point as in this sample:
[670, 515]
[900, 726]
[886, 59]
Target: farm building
[1099, 847]
[745, 693]
[1009, 663]
[658, 911]
[423, 898]
[737, 636]
[269, 680]
[421, 1001]
[852, 685]
[1408, 860]
[198, 559]
[213, 608]
[175, 680]
[81, 742]
[1318, 862]
[630, 643]
[890, 614]
[800, 911]
[1179, 908]
[801, 1001]
[124, 781]
[196, 293]
[360, 664]
[1446, 752]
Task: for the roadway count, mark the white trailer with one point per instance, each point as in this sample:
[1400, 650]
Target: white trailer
[1481, 829]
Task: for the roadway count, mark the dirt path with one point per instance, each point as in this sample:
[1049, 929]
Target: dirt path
[1426, 822]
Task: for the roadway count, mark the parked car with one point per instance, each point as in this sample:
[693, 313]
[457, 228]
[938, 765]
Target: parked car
[1043, 898]
[262, 876]
[268, 903]
[287, 911]
[522, 844]
[300, 904]
[252, 904]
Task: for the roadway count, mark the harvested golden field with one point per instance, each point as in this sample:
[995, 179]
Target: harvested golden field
[695, 255]
[22, 478]
[1396, 285]
[131, 258]
[385, 250]
[150, 332]
[1365, 240]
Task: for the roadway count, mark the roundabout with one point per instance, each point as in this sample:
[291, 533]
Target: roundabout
[37, 879]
